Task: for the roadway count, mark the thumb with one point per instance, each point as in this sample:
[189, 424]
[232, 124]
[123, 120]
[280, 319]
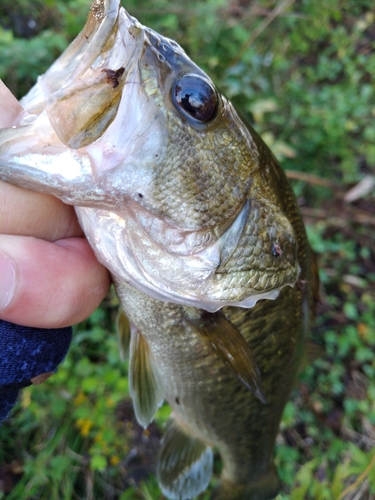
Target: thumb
[49, 285]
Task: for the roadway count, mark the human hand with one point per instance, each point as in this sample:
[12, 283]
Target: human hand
[50, 277]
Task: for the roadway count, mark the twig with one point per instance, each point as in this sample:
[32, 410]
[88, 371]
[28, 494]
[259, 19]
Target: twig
[358, 438]
[276, 12]
[360, 190]
[347, 216]
[364, 488]
[360, 215]
[301, 442]
[359, 479]
[311, 179]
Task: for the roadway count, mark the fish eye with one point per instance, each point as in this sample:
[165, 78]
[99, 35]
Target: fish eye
[195, 97]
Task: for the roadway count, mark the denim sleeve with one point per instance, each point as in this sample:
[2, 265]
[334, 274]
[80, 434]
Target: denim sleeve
[26, 353]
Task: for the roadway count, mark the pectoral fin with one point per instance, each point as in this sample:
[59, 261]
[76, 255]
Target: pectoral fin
[145, 384]
[184, 466]
[123, 334]
[232, 348]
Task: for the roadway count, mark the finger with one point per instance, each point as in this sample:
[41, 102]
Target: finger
[10, 108]
[49, 285]
[27, 213]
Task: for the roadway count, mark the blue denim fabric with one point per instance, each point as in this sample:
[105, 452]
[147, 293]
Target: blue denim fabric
[25, 353]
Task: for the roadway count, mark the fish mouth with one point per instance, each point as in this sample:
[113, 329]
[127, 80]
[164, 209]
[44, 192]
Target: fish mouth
[179, 266]
[82, 91]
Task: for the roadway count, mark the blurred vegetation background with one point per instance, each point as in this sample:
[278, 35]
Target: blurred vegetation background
[302, 72]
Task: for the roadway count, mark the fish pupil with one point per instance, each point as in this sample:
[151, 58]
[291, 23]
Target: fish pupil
[195, 97]
[185, 102]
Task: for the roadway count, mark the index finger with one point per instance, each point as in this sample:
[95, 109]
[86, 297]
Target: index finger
[27, 213]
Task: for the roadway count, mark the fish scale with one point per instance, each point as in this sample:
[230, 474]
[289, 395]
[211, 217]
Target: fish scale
[195, 220]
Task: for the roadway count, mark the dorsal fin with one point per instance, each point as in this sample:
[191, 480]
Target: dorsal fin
[123, 333]
[228, 343]
[184, 466]
[145, 385]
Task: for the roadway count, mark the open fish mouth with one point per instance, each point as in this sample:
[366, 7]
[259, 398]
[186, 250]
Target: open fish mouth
[102, 131]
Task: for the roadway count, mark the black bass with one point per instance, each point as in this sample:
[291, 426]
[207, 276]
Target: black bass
[201, 232]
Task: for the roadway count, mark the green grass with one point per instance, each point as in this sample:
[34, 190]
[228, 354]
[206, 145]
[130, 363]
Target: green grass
[306, 84]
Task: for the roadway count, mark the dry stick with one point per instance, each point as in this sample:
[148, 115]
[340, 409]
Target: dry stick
[360, 216]
[301, 442]
[276, 12]
[340, 221]
[359, 480]
[357, 437]
[352, 213]
[363, 489]
[311, 179]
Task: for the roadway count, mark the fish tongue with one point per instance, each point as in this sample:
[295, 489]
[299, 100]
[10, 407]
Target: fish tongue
[230, 346]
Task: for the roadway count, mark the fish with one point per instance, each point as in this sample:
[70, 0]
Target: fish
[197, 223]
